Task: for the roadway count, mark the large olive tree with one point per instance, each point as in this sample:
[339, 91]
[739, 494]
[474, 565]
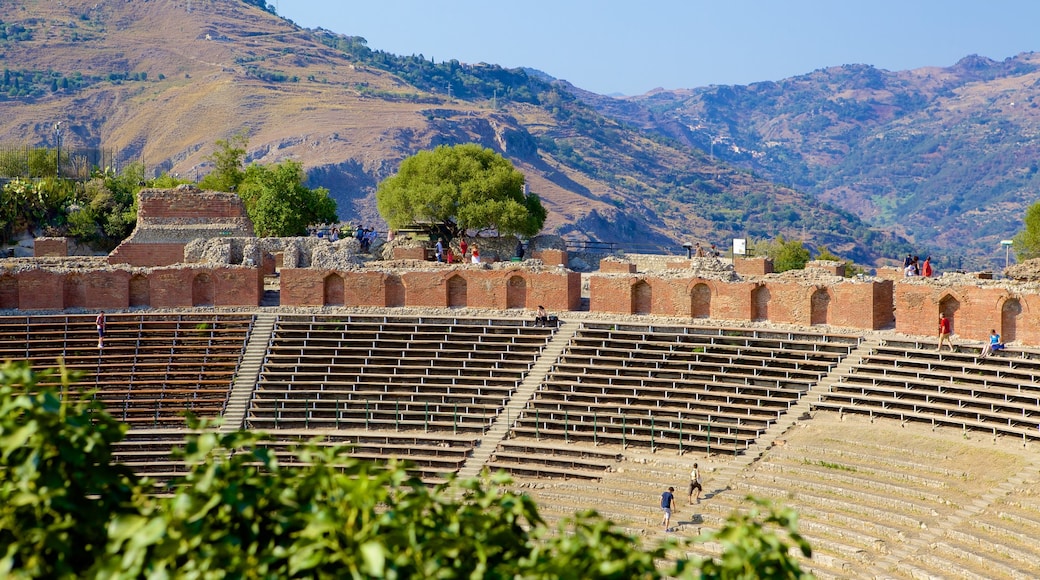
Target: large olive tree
[460, 188]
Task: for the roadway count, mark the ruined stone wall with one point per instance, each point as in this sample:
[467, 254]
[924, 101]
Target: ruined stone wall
[168, 219]
[53, 287]
[845, 303]
[50, 247]
[974, 308]
[441, 286]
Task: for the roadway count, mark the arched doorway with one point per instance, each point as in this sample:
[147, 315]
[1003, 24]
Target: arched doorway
[456, 292]
[75, 293]
[140, 291]
[948, 306]
[202, 290]
[333, 290]
[700, 301]
[642, 298]
[760, 297]
[1009, 313]
[819, 306]
[8, 292]
[395, 293]
[516, 292]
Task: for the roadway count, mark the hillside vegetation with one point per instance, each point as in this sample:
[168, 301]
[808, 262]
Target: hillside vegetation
[161, 85]
[946, 157]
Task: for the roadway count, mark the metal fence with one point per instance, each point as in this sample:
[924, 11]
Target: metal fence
[34, 162]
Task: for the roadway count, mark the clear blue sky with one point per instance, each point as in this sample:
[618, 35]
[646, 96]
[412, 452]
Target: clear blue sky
[633, 46]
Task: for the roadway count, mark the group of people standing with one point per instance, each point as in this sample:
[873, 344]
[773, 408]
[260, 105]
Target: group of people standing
[444, 253]
[912, 266]
[668, 497]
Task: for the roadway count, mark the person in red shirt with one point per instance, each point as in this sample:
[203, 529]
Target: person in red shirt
[926, 269]
[944, 332]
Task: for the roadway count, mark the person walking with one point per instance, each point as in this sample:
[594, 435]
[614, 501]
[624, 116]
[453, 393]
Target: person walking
[100, 323]
[668, 504]
[944, 333]
[695, 484]
[439, 250]
[926, 269]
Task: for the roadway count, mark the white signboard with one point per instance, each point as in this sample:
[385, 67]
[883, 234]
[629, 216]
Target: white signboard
[739, 246]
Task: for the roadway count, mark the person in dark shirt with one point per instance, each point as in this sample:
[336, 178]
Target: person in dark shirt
[668, 504]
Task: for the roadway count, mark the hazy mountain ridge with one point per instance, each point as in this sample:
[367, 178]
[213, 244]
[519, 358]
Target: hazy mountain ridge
[184, 79]
[946, 156]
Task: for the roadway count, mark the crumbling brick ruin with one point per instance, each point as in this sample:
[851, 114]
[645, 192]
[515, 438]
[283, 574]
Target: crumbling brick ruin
[194, 248]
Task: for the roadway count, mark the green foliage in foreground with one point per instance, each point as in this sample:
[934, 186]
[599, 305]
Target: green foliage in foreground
[67, 512]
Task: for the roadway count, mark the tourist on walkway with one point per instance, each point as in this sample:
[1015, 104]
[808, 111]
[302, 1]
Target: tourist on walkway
[695, 484]
[100, 323]
[944, 332]
[668, 504]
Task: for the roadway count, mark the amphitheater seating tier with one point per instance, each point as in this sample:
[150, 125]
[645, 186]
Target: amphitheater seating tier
[677, 387]
[910, 380]
[153, 368]
[392, 373]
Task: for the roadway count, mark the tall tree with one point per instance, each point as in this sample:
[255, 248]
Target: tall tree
[460, 188]
[227, 160]
[279, 204]
[1027, 242]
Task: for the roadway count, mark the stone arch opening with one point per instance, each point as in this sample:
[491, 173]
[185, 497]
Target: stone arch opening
[949, 306]
[456, 292]
[395, 293]
[333, 290]
[819, 306]
[8, 292]
[140, 291]
[202, 290]
[642, 298]
[516, 292]
[1009, 314]
[75, 294]
[700, 301]
[760, 297]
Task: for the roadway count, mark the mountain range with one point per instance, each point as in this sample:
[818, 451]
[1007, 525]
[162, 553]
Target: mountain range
[868, 163]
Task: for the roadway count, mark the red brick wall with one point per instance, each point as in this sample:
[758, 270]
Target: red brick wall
[753, 266]
[41, 290]
[848, 304]
[615, 267]
[147, 254]
[166, 204]
[551, 257]
[559, 291]
[973, 311]
[51, 247]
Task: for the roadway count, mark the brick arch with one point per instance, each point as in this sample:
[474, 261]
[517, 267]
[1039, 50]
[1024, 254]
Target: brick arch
[949, 305]
[75, 293]
[395, 292]
[642, 297]
[8, 291]
[333, 290]
[760, 298]
[516, 292]
[457, 291]
[1010, 314]
[700, 301]
[140, 291]
[819, 306]
[202, 290]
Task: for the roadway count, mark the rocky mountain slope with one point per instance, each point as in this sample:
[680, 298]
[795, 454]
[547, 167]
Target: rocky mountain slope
[161, 80]
[947, 157]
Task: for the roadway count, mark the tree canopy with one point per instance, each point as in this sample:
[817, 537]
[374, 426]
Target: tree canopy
[460, 188]
[276, 200]
[67, 511]
[1027, 241]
